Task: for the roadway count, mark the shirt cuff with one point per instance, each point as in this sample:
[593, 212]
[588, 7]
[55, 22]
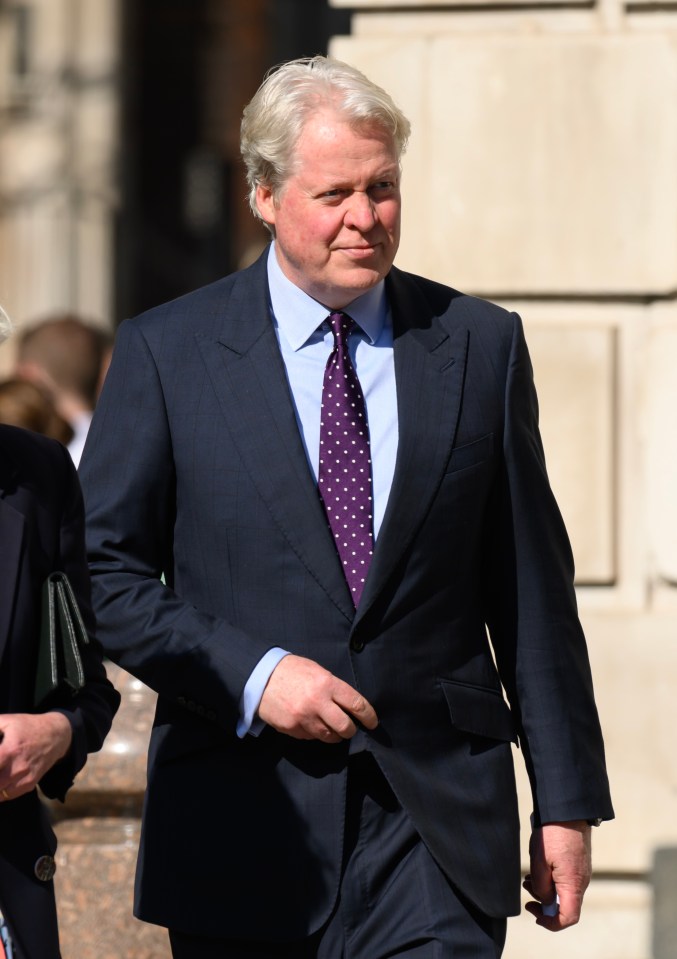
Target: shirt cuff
[248, 721]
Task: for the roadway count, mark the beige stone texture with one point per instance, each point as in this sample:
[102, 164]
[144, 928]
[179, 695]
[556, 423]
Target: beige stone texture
[539, 164]
[575, 373]
[98, 831]
[6, 46]
[615, 925]
[34, 266]
[57, 162]
[502, 20]
[425, 4]
[659, 421]
[97, 46]
[53, 35]
[33, 153]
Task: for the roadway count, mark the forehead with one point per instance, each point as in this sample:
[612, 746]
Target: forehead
[331, 142]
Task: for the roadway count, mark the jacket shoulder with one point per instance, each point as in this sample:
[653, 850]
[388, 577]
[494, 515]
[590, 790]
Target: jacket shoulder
[25, 446]
[34, 462]
[420, 297]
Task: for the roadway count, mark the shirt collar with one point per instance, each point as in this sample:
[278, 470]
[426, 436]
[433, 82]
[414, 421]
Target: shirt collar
[298, 315]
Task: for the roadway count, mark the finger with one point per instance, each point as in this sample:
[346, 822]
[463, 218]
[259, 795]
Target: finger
[328, 735]
[555, 922]
[540, 881]
[338, 721]
[356, 705]
[552, 923]
[570, 906]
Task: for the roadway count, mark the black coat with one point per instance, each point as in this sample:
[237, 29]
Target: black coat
[41, 530]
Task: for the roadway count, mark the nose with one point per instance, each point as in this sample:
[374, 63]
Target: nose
[360, 214]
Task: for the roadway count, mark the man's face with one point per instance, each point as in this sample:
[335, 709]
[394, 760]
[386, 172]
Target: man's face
[337, 216]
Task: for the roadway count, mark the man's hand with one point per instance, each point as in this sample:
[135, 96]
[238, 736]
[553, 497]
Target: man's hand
[29, 747]
[560, 865]
[304, 700]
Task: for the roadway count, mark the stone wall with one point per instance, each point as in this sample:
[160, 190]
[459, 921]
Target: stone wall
[541, 174]
[58, 130]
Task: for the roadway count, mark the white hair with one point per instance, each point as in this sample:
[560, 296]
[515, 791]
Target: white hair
[274, 119]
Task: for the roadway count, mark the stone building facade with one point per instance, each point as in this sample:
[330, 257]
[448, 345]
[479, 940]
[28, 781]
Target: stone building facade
[58, 103]
[542, 173]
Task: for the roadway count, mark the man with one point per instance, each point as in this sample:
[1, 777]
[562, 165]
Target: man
[63, 356]
[337, 467]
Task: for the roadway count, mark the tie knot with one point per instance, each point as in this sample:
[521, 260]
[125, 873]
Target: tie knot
[341, 326]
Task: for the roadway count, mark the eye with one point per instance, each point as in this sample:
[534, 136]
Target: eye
[383, 186]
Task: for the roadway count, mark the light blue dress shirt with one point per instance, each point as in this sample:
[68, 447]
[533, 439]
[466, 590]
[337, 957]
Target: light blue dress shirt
[306, 341]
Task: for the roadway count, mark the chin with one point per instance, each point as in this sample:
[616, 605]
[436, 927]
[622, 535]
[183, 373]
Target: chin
[363, 277]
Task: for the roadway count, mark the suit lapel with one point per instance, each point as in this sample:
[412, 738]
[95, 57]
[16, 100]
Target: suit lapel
[249, 378]
[430, 362]
[247, 372]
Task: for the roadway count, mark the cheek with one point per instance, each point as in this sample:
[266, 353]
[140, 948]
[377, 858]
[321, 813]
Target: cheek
[319, 232]
[390, 218]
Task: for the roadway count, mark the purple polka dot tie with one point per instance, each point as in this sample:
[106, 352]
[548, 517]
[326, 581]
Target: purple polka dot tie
[345, 462]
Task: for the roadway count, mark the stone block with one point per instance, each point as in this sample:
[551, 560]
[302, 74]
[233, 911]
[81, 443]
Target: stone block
[364, 5]
[52, 29]
[94, 292]
[546, 163]
[664, 882]
[658, 420]
[614, 925]
[33, 154]
[574, 371]
[98, 36]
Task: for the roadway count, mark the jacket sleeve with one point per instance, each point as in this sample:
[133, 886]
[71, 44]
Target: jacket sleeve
[533, 620]
[91, 711]
[128, 471]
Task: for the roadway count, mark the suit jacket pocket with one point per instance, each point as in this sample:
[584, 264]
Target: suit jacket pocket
[471, 454]
[478, 710]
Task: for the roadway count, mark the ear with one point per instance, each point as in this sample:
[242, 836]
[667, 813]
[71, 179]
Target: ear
[265, 203]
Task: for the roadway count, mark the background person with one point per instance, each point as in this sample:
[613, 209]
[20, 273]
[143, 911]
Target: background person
[64, 356]
[41, 531]
[25, 404]
[331, 754]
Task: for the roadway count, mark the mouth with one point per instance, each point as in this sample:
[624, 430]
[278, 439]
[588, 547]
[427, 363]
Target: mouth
[358, 252]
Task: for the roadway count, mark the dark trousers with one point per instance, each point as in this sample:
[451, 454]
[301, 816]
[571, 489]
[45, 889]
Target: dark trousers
[393, 901]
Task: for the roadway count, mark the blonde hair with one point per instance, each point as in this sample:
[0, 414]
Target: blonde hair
[274, 118]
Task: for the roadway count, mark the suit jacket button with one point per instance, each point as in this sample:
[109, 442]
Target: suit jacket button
[44, 868]
[356, 645]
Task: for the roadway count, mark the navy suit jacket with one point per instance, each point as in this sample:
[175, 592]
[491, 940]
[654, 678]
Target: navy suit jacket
[195, 469]
[41, 530]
